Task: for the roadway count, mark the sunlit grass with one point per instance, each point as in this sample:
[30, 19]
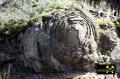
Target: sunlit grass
[103, 22]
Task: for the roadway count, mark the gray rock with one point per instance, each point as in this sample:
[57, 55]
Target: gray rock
[108, 40]
[61, 43]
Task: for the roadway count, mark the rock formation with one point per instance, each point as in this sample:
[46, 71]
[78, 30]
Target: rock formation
[65, 40]
[65, 37]
[62, 41]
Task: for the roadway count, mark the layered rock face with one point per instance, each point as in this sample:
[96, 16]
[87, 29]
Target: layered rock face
[65, 37]
[60, 42]
[65, 40]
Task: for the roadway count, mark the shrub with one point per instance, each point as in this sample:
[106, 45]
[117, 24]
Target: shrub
[18, 13]
[104, 22]
[98, 58]
[117, 23]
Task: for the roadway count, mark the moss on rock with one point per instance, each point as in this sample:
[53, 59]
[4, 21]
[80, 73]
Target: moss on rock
[13, 27]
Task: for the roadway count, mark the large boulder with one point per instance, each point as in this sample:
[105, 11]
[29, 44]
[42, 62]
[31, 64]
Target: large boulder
[60, 43]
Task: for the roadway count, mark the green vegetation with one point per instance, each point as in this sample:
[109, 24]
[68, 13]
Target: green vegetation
[117, 23]
[12, 27]
[103, 23]
[113, 4]
[17, 16]
[98, 58]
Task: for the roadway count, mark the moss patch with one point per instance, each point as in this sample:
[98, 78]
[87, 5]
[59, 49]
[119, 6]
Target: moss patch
[13, 27]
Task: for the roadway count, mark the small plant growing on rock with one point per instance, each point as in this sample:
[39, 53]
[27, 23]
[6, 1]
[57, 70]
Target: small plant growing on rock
[97, 57]
[117, 23]
[103, 23]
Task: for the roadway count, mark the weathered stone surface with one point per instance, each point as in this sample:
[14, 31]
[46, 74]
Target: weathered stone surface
[108, 44]
[9, 50]
[30, 54]
[108, 41]
[61, 43]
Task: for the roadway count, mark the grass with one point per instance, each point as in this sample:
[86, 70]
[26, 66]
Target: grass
[104, 22]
